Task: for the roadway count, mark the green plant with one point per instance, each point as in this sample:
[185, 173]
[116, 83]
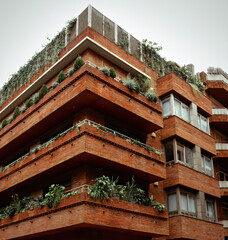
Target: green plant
[61, 77]
[36, 98]
[4, 123]
[105, 70]
[54, 195]
[78, 63]
[143, 83]
[23, 109]
[54, 85]
[43, 91]
[70, 72]
[131, 84]
[103, 189]
[16, 112]
[124, 43]
[29, 102]
[150, 94]
[112, 72]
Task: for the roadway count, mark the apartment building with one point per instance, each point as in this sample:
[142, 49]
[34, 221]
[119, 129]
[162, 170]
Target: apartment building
[119, 114]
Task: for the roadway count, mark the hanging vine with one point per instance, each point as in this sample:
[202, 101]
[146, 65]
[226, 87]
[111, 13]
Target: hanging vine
[43, 59]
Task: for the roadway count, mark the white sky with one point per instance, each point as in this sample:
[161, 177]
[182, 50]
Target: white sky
[190, 31]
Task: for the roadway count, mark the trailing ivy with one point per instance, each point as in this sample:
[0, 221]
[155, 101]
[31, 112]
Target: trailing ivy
[105, 188]
[18, 205]
[153, 59]
[49, 55]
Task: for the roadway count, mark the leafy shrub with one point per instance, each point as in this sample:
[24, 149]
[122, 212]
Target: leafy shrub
[54, 195]
[131, 84]
[36, 98]
[16, 112]
[10, 119]
[61, 77]
[23, 109]
[29, 103]
[4, 123]
[143, 83]
[54, 84]
[150, 94]
[112, 72]
[105, 70]
[70, 72]
[103, 189]
[78, 63]
[43, 91]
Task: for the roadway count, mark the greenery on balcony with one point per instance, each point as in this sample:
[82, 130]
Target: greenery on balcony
[103, 189]
[153, 59]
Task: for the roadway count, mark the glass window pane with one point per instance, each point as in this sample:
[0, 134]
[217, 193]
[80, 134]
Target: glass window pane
[177, 107]
[185, 113]
[184, 202]
[166, 106]
[210, 209]
[192, 206]
[189, 156]
[208, 167]
[203, 165]
[172, 202]
[204, 124]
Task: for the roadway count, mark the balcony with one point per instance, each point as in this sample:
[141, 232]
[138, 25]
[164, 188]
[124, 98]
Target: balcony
[83, 143]
[219, 119]
[172, 83]
[181, 227]
[88, 87]
[224, 188]
[217, 87]
[221, 149]
[80, 211]
[176, 127]
[178, 174]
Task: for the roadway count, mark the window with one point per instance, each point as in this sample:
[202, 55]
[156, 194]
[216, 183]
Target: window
[203, 123]
[166, 106]
[207, 165]
[172, 202]
[210, 208]
[187, 202]
[184, 154]
[173, 106]
[181, 110]
[223, 175]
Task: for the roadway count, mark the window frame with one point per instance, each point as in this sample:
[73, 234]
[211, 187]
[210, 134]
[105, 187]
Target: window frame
[172, 99]
[212, 202]
[184, 153]
[203, 162]
[200, 117]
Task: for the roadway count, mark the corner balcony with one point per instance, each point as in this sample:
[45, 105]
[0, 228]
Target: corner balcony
[221, 149]
[172, 83]
[87, 87]
[224, 188]
[219, 119]
[183, 227]
[176, 127]
[87, 142]
[217, 87]
[225, 225]
[80, 212]
[178, 174]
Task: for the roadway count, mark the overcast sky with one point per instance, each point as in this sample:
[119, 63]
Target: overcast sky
[190, 31]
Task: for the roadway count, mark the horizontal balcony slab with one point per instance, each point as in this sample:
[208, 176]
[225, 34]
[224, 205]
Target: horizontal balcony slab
[218, 90]
[172, 83]
[80, 211]
[82, 146]
[177, 174]
[176, 127]
[224, 188]
[183, 227]
[88, 87]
